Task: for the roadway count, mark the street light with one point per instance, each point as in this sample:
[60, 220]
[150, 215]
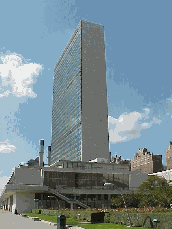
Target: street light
[111, 185]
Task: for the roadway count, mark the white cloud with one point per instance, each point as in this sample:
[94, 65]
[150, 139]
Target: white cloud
[16, 72]
[145, 115]
[169, 99]
[5, 147]
[5, 94]
[3, 181]
[129, 126]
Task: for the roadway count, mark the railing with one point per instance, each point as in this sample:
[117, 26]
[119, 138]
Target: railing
[56, 192]
[60, 188]
[59, 195]
[81, 204]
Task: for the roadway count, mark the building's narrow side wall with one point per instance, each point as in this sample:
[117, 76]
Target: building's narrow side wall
[94, 97]
[136, 178]
[169, 156]
[28, 176]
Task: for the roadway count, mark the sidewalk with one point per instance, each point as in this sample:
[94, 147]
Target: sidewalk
[12, 221]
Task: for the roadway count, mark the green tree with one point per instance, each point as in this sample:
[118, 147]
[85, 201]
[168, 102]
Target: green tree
[117, 201]
[152, 183]
[155, 191]
[132, 200]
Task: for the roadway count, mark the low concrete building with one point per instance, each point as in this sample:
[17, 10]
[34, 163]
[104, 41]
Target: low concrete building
[164, 174]
[19, 192]
[68, 184]
[146, 162]
[119, 160]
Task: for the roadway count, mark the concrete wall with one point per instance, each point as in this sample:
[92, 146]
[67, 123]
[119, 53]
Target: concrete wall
[26, 175]
[94, 114]
[24, 202]
[136, 178]
[10, 203]
[14, 203]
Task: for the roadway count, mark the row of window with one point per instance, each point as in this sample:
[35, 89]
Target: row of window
[68, 68]
[67, 105]
[69, 148]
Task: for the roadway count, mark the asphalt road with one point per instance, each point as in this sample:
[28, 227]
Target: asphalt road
[12, 221]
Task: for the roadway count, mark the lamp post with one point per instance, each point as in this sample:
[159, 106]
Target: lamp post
[56, 199]
[111, 185]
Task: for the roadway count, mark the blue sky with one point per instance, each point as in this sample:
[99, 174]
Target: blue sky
[138, 68]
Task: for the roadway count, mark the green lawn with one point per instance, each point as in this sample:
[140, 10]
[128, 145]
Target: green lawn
[52, 218]
[75, 221]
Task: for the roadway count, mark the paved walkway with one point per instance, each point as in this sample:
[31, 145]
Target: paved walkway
[12, 221]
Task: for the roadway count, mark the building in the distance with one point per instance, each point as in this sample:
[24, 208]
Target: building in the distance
[119, 160]
[33, 162]
[79, 113]
[167, 174]
[146, 162]
[169, 156]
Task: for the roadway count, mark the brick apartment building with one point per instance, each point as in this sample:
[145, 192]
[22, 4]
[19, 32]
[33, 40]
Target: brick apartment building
[169, 156]
[146, 162]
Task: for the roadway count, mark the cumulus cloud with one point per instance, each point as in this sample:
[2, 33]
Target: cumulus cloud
[129, 126]
[17, 72]
[3, 182]
[5, 147]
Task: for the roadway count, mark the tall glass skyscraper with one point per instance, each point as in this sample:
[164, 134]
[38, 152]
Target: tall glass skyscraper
[79, 113]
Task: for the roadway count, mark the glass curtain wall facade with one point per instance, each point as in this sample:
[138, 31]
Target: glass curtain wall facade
[79, 114]
[66, 111]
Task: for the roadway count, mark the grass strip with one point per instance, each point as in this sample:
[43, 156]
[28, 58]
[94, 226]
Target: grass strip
[69, 221]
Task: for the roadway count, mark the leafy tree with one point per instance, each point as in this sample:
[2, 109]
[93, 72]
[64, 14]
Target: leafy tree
[117, 202]
[152, 183]
[153, 192]
[132, 200]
